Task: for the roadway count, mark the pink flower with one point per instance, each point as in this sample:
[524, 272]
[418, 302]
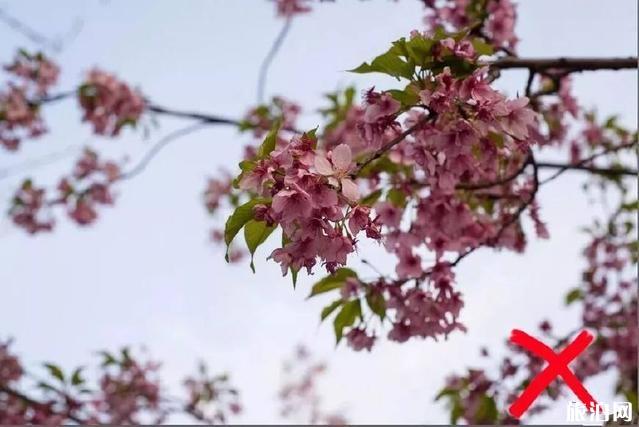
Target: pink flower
[380, 106]
[336, 249]
[292, 204]
[258, 177]
[519, 118]
[18, 118]
[10, 369]
[108, 103]
[28, 209]
[359, 340]
[410, 265]
[359, 219]
[83, 213]
[35, 69]
[290, 8]
[338, 170]
[389, 214]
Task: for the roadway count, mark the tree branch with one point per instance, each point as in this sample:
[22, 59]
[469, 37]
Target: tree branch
[506, 179]
[261, 81]
[613, 171]
[32, 402]
[204, 118]
[158, 146]
[567, 64]
[582, 163]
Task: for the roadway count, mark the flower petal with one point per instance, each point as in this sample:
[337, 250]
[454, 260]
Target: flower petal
[322, 165]
[350, 190]
[342, 157]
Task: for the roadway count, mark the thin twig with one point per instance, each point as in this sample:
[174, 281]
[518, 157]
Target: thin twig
[41, 161]
[515, 217]
[505, 180]
[159, 145]
[203, 118]
[379, 153]
[28, 32]
[587, 160]
[612, 171]
[261, 81]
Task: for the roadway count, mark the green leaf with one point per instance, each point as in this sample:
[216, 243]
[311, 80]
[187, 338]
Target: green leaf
[107, 359]
[312, 134]
[45, 386]
[76, 377]
[371, 198]
[481, 47]
[456, 412]
[237, 220]
[363, 68]
[420, 50]
[326, 311]
[333, 281]
[396, 197]
[376, 303]
[574, 295]
[446, 391]
[256, 233]
[387, 63]
[55, 371]
[407, 97]
[346, 317]
[269, 142]
[487, 412]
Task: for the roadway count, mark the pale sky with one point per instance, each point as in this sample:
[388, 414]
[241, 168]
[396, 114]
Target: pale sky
[145, 273]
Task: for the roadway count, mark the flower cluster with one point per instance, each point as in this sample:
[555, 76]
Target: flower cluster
[428, 311]
[80, 193]
[299, 394]
[32, 76]
[211, 398]
[128, 391]
[108, 103]
[448, 152]
[29, 209]
[492, 19]
[10, 368]
[308, 191]
[36, 69]
[471, 135]
[88, 186]
[608, 300]
[13, 409]
[262, 118]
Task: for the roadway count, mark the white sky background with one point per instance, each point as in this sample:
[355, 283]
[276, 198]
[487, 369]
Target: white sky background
[145, 273]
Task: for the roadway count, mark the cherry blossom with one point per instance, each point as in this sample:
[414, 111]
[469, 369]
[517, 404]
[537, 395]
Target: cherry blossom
[108, 103]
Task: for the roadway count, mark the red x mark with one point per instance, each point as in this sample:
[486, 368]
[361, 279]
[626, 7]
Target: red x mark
[557, 366]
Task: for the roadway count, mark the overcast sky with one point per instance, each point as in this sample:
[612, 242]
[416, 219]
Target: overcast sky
[145, 274]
